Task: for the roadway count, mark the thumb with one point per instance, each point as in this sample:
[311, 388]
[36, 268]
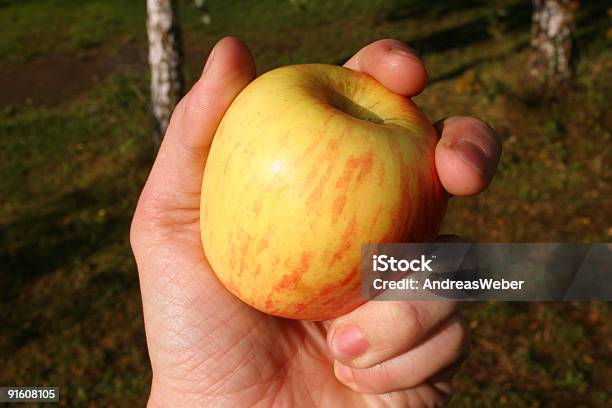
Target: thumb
[171, 193]
[182, 303]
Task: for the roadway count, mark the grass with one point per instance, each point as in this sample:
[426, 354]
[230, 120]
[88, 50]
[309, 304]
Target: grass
[70, 299]
[75, 151]
[39, 28]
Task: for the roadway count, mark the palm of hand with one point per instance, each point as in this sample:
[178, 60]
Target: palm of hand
[229, 352]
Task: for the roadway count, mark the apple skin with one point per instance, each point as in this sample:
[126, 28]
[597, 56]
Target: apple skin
[309, 162]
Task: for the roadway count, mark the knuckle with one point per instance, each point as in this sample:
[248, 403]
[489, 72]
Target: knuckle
[182, 111]
[191, 109]
[148, 218]
[458, 336]
[486, 130]
[377, 379]
[137, 227]
[134, 235]
[134, 228]
[183, 104]
[406, 316]
[138, 219]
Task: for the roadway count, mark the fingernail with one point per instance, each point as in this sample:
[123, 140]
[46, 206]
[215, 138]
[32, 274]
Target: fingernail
[344, 373]
[348, 341]
[472, 154]
[402, 50]
[209, 61]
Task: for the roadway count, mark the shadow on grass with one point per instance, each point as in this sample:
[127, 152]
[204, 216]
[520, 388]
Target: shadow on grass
[406, 9]
[475, 63]
[509, 18]
[456, 37]
[592, 23]
[70, 228]
[63, 238]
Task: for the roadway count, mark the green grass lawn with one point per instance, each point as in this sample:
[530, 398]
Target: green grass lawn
[75, 150]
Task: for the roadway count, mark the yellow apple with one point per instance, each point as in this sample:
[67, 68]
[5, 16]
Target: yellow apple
[309, 162]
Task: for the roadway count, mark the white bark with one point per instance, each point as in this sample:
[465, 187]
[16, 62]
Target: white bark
[165, 60]
[551, 41]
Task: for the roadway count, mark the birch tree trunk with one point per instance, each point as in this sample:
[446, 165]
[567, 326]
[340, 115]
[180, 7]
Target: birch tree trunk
[551, 41]
[165, 60]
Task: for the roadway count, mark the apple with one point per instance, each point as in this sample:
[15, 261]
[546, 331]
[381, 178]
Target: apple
[309, 162]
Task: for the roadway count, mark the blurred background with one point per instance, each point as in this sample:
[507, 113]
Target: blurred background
[76, 146]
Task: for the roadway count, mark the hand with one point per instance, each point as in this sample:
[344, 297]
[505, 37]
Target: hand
[207, 348]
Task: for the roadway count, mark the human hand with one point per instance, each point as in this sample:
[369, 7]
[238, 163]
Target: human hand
[208, 348]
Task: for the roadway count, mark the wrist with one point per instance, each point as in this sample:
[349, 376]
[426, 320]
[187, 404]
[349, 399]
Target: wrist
[162, 395]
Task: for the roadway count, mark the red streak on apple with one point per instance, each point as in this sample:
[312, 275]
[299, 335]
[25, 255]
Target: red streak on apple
[291, 280]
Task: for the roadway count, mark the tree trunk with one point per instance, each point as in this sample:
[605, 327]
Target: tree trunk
[551, 41]
[165, 60]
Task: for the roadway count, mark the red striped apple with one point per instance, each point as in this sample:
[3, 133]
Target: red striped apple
[309, 162]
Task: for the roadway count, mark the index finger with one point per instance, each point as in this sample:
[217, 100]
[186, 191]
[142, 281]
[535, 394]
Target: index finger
[393, 64]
